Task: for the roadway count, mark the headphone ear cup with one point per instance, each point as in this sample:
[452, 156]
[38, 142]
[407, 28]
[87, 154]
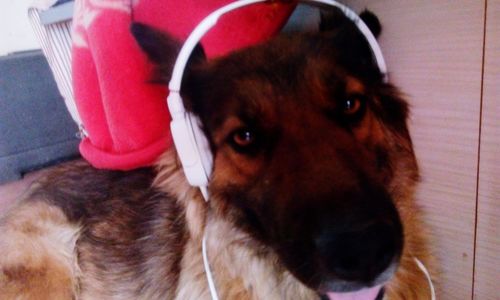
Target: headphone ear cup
[202, 146]
[193, 149]
[191, 144]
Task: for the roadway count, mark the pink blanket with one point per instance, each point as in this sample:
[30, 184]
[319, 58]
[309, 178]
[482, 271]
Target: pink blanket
[126, 117]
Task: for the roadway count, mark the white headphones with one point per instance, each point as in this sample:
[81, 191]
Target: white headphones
[191, 144]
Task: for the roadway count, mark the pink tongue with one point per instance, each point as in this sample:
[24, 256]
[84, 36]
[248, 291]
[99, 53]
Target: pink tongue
[364, 294]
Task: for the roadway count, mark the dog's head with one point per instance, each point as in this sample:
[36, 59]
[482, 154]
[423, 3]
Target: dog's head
[308, 144]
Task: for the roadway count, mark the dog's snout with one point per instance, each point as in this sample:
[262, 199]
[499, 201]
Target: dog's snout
[361, 238]
[360, 255]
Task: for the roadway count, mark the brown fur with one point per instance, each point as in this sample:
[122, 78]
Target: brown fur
[38, 260]
[82, 233]
[243, 271]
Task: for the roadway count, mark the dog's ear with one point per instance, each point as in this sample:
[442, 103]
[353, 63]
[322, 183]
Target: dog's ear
[334, 19]
[350, 47]
[372, 21]
[162, 50]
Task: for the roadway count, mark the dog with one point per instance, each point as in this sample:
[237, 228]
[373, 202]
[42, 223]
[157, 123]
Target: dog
[311, 195]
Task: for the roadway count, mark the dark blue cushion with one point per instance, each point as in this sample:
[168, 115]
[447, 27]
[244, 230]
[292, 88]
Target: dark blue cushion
[35, 128]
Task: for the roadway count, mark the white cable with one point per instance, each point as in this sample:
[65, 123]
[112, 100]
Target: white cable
[213, 290]
[427, 275]
[208, 271]
[177, 108]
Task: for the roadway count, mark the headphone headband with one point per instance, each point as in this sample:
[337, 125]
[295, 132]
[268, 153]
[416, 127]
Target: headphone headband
[190, 142]
[211, 20]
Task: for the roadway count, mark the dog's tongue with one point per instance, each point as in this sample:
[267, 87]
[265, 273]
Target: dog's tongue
[364, 294]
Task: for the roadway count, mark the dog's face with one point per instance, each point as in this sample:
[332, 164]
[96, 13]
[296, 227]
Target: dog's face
[306, 139]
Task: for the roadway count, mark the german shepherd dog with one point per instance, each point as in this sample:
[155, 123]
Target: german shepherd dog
[311, 195]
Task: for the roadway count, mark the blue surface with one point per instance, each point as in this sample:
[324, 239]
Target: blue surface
[35, 128]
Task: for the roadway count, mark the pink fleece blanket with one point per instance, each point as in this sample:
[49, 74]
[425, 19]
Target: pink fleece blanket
[126, 117]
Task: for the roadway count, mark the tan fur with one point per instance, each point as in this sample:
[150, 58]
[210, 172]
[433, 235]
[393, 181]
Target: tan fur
[239, 272]
[37, 253]
[402, 188]
[38, 258]
[243, 271]
[312, 157]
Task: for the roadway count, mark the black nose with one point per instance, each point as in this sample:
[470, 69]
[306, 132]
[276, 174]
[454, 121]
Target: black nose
[360, 255]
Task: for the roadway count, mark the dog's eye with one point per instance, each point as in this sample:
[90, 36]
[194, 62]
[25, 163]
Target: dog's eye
[352, 105]
[242, 139]
[352, 108]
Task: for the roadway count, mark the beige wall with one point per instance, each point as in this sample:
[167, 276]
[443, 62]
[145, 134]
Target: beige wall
[487, 269]
[434, 50]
